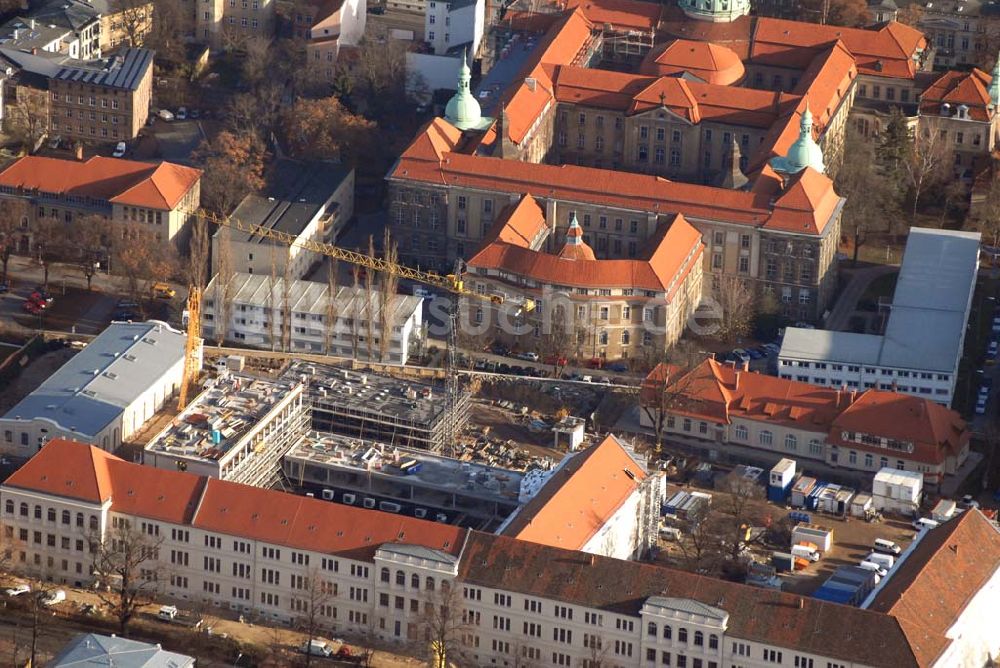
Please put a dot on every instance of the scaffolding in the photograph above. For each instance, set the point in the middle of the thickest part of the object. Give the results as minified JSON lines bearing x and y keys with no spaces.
{"x":373,"y":407}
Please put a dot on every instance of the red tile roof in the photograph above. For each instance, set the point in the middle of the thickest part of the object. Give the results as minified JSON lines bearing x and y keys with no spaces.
{"x":83,"y":472}
{"x":156,"y":186}
{"x":807,"y":625}
{"x":579,"y":498}
{"x":627,"y":190}
{"x":712,"y":63}
{"x":675,"y":250}
{"x":930,"y":589}
{"x":520,"y":224}
{"x":620,"y":15}
{"x":957,"y":88}
{"x":719,"y":392}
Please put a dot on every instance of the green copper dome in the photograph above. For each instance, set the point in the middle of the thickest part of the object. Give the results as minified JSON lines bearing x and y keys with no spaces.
{"x":805,"y":152}
{"x":463,"y":109}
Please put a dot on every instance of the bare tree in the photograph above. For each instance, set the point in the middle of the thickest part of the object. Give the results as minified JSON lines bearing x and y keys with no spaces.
{"x":13,"y":213}
{"x":224,"y":273}
{"x":92,"y":237}
{"x":382,"y":70}
{"x":597,"y":650}
{"x":142,"y":259}
{"x":48,"y":236}
{"x":199,"y":253}
{"x":370,"y":304}
{"x":318,"y":592}
{"x":387,"y":297}
{"x":286,"y":304}
{"x":662,"y":391}
{"x":331,"y":305}
{"x":925,"y":163}
{"x":443,"y":624}
{"x":135,"y":18}
{"x":735,"y":300}
{"x":125,"y":560}
{"x":28,"y":115}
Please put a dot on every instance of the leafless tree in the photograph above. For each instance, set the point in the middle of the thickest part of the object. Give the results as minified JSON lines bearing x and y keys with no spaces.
{"x":199,"y":253}
{"x":597,"y":650}
{"x":286,"y":305}
{"x":925,"y":163}
{"x":126,"y":560}
{"x":168,"y":29}
{"x":28,"y":115}
{"x":142,"y":259}
{"x":387,"y":297}
{"x":13,"y":213}
{"x":135,"y":17}
{"x":330,"y":332}
{"x":382,"y":69}
{"x":48,"y":237}
{"x":370,"y":304}
{"x":224,"y":273}
{"x":664,"y":390}
{"x":735,"y":299}
{"x":443,"y":624}
{"x":92,"y":239}
{"x":318,"y":593}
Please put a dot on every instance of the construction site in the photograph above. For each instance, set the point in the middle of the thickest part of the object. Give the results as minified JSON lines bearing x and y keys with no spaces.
{"x":380,"y":408}
{"x":237,"y":429}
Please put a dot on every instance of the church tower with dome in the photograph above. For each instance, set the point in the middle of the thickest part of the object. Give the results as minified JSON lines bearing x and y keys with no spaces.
{"x":463,"y":110}
{"x":717,"y":11}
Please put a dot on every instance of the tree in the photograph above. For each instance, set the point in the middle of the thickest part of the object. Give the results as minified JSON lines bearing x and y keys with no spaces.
{"x":986,"y":212}
{"x":224,"y":272}
{"x":286,"y":305}
{"x":895,"y":141}
{"x":735,"y":299}
{"x":318,"y":592}
{"x":125,"y":561}
{"x":443,"y":624}
{"x":911,"y":15}
{"x":664,"y":389}
{"x":324,"y":129}
{"x":13,"y":212}
{"x":381,"y":71}
{"x":142,"y":258}
{"x":233,"y":167}
{"x":387,"y":297}
{"x":92,"y":237}
{"x":48,"y":236}
{"x":873,"y":200}
{"x":135,"y":18}
{"x":168,"y":28}
{"x":924,"y":166}
{"x":330,"y":331}
{"x":28,"y":116}
{"x":199,"y":253}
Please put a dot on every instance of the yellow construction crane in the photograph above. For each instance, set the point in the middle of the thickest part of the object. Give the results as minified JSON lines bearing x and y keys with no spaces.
{"x":452,"y":283}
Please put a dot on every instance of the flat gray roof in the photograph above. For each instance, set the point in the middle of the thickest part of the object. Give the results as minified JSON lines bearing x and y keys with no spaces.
{"x":295,"y":193}
{"x":95,"y":386}
{"x":926,"y":325}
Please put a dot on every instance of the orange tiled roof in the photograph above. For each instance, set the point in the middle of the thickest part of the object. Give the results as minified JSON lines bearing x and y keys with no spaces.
{"x":932,"y":587}
{"x":720,"y":391}
{"x":620,"y":15}
{"x":669,"y":258}
{"x":934,"y":430}
{"x":156,"y":186}
{"x":709,"y":62}
{"x":77,"y":471}
{"x":955,"y":88}
{"x":582,"y":494}
{"x":887,"y":52}
{"x":627,"y":190}
{"x":521,"y":224}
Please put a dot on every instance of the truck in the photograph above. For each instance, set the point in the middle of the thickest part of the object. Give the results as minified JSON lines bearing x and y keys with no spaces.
{"x":805,"y":552}
{"x":782,"y":561}
{"x":170,"y":613}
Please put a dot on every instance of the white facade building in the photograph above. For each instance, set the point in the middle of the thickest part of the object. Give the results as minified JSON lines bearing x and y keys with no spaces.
{"x":455,"y":24}
{"x":102,"y":395}
{"x":319,"y":324}
{"x":922,"y":345}
{"x":267,"y":555}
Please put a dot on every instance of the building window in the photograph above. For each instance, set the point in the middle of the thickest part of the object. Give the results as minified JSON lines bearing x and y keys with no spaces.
{"x":791,"y":443}
{"x":740,"y":432}
{"x":765,"y":438}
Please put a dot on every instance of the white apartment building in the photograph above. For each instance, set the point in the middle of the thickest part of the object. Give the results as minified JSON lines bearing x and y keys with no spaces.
{"x":455,"y":24}
{"x":922,"y":345}
{"x":320,"y":324}
{"x":237,"y":429}
{"x":103,"y":394}
{"x":266,"y":553}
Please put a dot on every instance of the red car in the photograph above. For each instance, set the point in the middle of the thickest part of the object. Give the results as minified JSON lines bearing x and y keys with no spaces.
{"x":556,"y":360}
{"x":32,"y":307}
{"x":595,"y":363}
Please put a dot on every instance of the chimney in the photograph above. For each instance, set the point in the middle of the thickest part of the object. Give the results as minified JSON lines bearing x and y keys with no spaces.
{"x":592,"y":560}
{"x":736,"y":383}
{"x":854,"y":395}
{"x":746,"y":366}
{"x":530,"y":82}
{"x":800,"y":602}
{"x":838,"y":399}
{"x":34,"y":50}
{"x":78,"y":149}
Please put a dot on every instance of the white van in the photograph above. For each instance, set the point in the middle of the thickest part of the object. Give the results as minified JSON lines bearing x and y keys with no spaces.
{"x":886,"y":546}
{"x":874,"y":568}
{"x":805,"y":552}
{"x":316,"y":648}
{"x":922,"y":523}
{"x":670,"y":533}
{"x":167,"y":613}
{"x":886,"y":561}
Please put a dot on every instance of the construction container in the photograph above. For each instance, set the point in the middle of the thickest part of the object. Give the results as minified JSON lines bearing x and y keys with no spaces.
{"x":801,"y":490}
{"x":943,"y":510}
{"x":780,"y":479}
{"x":821,"y":537}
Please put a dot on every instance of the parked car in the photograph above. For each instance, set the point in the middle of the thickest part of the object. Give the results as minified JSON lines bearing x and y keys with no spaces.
{"x":194,"y":113}
{"x":968,"y":501}
{"x":119,"y":151}
{"x":772,"y":348}
{"x":996,"y":324}
{"x":755,"y":354}
{"x":499,"y":349}
{"x":4,"y":287}
{"x":556,"y":360}
{"x":595,"y":363}
{"x":981,"y":405}
{"x":182,"y":113}
{"x":124,"y":315}
{"x":41,"y":295}
{"x":741,"y":355}
{"x":54,"y":597}
{"x":528,"y":356}
{"x":126,"y":303}
{"x":992,"y":348}
{"x":316,"y":648}
{"x":617,"y":367}
{"x":17,"y":590}
{"x":166,"y":115}
{"x":503,"y":368}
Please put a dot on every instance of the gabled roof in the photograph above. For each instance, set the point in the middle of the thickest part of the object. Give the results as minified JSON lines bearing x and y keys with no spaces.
{"x":709,"y":62}
{"x":91,"y":650}
{"x":808,"y":625}
{"x":68,"y":469}
{"x":157,"y":186}
{"x":932,"y":586}
{"x":806,"y":205}
{"x":521,"y":224}
{"x":958,"y":88}
{"x":621,"y":15}
{"x":579,"y":498}
{"x":674,"y":250}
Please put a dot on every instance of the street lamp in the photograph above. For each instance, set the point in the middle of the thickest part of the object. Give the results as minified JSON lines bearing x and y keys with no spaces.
{"x":239,"y":655}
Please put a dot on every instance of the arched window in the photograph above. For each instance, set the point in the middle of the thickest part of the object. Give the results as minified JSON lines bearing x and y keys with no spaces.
{"x":10,"y":507}
{"x":740,"y":432}
{"x":765,"y":437}
{"x":385,"y":575}
{"x":93,"y":522}
{"x":626,"y":337}
{"x":429,"y":584}
{"x":791,"y":443}
{"x":415,"y":581}
{"x":651,"y":629}
{"x":51,"y":514}
{"x":699,"y":638}
{"x":667,"y":632}
{"x":24,"y":510}
{"x":401,"y":578}
{"x":65,"y":517}
{"x":713,"y":641}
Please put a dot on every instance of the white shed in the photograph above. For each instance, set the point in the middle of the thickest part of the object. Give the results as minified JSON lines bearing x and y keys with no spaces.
{"x":897,"y":491}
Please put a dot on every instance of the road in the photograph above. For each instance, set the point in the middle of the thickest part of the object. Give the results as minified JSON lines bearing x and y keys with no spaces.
{"x":839,"y":318}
